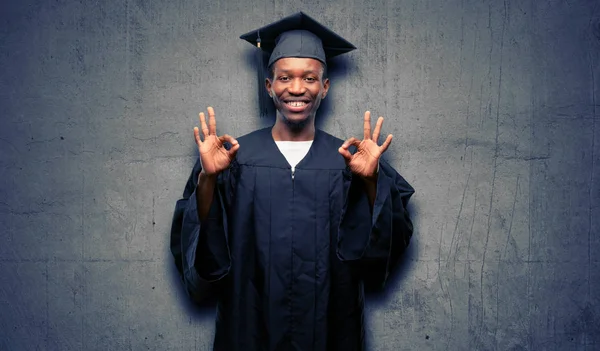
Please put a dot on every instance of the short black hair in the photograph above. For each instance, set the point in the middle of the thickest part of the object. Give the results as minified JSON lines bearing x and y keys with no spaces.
{"x":271,"y":71}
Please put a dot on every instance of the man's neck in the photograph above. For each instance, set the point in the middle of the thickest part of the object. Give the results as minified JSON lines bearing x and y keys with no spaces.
{"x":284,"y":132}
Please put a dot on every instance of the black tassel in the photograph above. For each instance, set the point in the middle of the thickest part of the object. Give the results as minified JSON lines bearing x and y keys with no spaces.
{"x":262,"y":92}
{"x":263,"y":95}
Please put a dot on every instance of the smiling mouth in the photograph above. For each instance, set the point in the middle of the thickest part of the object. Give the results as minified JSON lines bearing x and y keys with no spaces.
{"x":296,"y":103}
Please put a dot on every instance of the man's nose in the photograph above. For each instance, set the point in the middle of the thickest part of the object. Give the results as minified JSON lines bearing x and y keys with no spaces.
{"x":297,"y":87}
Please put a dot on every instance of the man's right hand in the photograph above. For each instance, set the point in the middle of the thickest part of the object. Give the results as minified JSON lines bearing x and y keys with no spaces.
{"x":214,"y":157}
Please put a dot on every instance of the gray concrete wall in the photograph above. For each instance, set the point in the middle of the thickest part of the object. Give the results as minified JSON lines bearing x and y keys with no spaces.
{"x":494,"y":108}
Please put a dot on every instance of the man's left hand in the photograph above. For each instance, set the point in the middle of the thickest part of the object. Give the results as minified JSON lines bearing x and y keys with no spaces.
{"x":364,"y":162}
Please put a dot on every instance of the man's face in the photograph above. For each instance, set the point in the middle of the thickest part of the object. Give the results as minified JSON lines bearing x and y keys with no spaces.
{"x":297,"y":87}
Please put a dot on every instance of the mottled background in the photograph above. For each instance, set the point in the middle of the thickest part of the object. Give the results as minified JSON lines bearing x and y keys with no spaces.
{"x":493,"y":105}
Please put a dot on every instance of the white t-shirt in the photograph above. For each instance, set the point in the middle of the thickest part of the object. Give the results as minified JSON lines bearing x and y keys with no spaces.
{"x":294,"y":151}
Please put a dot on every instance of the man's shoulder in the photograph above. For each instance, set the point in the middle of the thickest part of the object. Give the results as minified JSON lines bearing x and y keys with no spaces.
{"x":255,"y":147}
{"x":329,"y":139}
{"x":255,"y":137}
{"x":255,"y":134}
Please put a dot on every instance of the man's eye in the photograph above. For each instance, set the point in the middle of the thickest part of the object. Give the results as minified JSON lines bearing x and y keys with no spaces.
{"x":310,"y":79}
{"x":284,"y":78}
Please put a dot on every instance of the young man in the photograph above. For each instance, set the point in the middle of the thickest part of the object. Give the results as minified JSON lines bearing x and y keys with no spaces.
{"x":287,"y":224}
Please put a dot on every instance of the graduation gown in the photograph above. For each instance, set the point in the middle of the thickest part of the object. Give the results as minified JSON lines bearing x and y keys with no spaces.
{"x":287,"y":256}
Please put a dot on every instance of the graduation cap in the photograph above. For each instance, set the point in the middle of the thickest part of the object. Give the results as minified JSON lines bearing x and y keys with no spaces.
{"x":298,"y":35}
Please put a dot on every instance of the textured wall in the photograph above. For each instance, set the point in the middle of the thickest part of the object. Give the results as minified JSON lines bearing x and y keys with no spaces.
{"x":494,"y":110}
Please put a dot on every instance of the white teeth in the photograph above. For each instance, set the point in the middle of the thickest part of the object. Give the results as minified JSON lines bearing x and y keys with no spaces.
{"x":296,"y":103}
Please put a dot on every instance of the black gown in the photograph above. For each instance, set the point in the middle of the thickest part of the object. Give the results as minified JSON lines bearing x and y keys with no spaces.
{"x":288,"y":256}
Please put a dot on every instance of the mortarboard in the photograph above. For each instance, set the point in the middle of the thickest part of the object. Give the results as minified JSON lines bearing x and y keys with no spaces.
{"x":298,"y":35}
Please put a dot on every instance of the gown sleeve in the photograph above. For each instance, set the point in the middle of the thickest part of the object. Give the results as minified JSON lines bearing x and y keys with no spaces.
{"x":200,"y":248}
{"x":375,"y":244}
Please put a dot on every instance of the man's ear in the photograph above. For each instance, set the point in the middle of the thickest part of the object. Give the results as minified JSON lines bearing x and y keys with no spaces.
{"x":268,"y":86}
{"x":325,"y":88}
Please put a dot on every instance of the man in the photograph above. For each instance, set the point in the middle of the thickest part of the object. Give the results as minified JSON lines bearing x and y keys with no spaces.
{"x":285,"y":225}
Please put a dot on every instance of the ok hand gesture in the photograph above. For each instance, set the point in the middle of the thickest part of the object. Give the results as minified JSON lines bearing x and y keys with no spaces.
{"x":214,"y":157}
{"x":364,"y":162}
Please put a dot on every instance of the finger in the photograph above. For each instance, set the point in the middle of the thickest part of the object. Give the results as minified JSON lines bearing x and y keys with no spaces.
{"x":203,"y":125}
{"x":349,"y":142}
{"x":234,"y":145}
{"x":228,"y":138}
{"x":386,"y":143}
{"x":197,"y":136}
{"x":345,"y":153}
{"x":377,"y":129}
{"x":233,"y":151}
{"x":212,"y":123}
{"x":367,"y":126}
